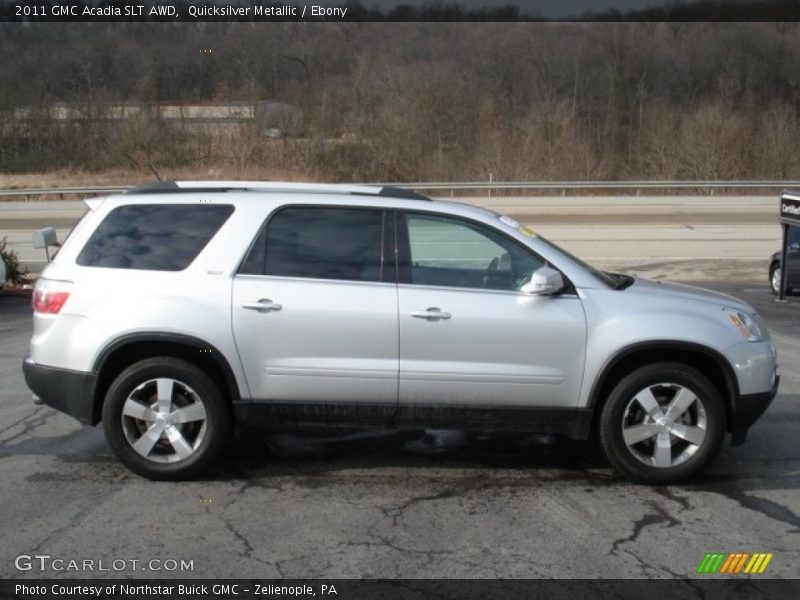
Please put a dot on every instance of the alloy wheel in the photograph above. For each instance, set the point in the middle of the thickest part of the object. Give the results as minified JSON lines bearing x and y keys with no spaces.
{"x":164,"y":420}
{"x":776,"y":280}
{"x":664,"y":425}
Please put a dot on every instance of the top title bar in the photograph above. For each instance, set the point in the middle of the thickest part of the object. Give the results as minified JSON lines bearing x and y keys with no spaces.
{"x":396,"y":10}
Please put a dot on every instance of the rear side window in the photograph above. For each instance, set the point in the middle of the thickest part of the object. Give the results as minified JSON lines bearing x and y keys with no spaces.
{"x":156,"y":237}
{"x":319,"y":243}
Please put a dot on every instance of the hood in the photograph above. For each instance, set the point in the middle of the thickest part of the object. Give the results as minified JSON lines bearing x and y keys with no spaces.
{"x":689,"y":292}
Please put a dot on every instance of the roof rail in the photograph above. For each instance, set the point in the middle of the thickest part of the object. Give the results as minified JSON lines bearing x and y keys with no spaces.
{"x":154,"y":187}
{"x":280,"y":186}
{"x":396,"y":192}
{"x":165,"y":187}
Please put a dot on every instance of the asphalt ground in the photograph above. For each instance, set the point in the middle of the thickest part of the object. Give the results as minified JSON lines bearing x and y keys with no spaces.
{"x":392,"y":503}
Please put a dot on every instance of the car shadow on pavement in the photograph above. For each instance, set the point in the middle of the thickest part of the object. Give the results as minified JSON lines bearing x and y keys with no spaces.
{"x":255,"y":452}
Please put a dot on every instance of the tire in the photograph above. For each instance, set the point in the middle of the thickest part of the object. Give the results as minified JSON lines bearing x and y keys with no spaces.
{"x":664,"y":457}
{"x":775,"y":273}
{"x":165,"y":419}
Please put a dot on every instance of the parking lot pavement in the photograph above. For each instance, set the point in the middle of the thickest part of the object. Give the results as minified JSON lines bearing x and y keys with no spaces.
{"x":392,"y":504}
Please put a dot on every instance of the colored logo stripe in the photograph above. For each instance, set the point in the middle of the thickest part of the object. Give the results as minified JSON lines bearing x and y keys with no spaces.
{"x":734,"y":562}
{"x":711,"y":563}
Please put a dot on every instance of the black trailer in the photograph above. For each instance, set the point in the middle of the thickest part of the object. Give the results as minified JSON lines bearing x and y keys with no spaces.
{"x":790,"y":249}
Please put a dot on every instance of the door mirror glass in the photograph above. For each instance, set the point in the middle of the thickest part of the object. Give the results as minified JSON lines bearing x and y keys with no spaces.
{"x":543,"y":282}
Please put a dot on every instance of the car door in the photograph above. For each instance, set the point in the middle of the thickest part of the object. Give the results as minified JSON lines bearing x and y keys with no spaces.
{"x":468,"y":336}
{"x":793,"y":258}
{"x":315,"y":308}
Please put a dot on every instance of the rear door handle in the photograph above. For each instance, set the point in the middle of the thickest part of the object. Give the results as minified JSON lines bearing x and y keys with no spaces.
{"x":263,"y":305}
{"x":431,"y":314}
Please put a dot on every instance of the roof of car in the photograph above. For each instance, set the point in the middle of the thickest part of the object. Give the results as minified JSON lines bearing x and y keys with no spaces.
{"x":175,"y":187}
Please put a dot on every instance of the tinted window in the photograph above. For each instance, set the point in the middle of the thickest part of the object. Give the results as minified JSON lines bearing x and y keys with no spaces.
{"x":320,"y":243}
{"x":794,"y":234}
{"x":454,"y":253}
{"x":255,"y":260}
{"x":158,"y":237}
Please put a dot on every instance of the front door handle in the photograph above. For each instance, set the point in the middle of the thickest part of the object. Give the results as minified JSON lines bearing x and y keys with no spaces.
{"x":431,"y":314}
{"x":263,"y":305}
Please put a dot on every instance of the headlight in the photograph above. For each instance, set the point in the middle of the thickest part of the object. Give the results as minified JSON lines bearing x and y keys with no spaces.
{"x":745,"y":325}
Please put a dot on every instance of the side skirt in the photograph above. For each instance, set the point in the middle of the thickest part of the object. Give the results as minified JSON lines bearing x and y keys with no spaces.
{"x":574,"y":423}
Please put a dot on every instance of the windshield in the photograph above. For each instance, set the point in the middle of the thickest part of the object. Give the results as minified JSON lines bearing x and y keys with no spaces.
{"x":613,"y":280}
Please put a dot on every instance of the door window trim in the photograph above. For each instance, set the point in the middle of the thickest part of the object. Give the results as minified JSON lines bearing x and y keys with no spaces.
{"x":313,"y":279}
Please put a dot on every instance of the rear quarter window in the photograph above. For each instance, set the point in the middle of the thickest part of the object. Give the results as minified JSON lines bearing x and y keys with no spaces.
{"x":156,"y":237}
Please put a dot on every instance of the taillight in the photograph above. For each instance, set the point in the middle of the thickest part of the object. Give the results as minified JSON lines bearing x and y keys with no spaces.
{"x":49,"y":296}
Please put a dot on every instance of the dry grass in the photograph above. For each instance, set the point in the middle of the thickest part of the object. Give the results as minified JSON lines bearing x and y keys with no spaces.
{"x":72,"y":178}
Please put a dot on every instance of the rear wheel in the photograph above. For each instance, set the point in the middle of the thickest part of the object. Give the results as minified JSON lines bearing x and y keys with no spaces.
{"x":164,"y":418}
{"x":663,"y":423}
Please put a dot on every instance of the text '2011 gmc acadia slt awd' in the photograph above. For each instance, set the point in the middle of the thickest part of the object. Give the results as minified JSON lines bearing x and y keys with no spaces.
{"x":176,"y":310}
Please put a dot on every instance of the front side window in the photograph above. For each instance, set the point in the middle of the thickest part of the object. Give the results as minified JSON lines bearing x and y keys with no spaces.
{"x":156,"y":237}
{"x":319,"y":243}
{"x":449,"y":252}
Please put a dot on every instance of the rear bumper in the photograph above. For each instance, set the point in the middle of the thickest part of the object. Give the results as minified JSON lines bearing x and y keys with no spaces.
{"x":747,"y":408}
{"x":71,"y":392}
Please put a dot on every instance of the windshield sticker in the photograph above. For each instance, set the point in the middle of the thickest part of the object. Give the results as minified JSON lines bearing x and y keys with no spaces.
{"x":510,"y":222}
{"x":523,"y":229}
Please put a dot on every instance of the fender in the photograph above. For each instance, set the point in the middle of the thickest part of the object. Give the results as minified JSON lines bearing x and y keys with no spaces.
{"x":663,"y":345}
{"x":186,"y":340}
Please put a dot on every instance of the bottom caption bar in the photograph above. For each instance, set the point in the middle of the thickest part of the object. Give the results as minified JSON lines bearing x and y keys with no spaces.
{"x":390,"y":589}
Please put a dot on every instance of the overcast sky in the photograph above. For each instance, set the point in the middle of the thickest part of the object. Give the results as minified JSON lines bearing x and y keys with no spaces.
{"x":550,"y":9}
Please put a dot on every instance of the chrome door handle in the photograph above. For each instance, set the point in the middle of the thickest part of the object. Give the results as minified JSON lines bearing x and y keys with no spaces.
{"x":431,"y":314}
{"x":265,"y":305}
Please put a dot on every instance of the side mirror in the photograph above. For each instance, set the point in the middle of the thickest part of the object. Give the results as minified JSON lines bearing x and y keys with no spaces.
{"x":543,"y":282}
{"x":44,"y":238}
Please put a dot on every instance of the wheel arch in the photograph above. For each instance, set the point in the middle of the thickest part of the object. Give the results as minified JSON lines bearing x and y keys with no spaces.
{"x":127,"y":349}
{"x":708,"y":361}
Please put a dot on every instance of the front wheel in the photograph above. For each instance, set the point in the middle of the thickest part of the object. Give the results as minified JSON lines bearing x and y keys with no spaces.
{"x":662,"y":424}
{"x":775,"y":279}
{"x":166,"y":419}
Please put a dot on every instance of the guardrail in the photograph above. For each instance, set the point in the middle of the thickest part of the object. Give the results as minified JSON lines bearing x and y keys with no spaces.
{"x":65,"y":191}
{"x":452,"y":187}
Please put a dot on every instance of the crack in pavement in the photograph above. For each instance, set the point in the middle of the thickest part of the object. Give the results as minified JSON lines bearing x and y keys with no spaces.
{"x":669,"y":494}
{"x":661,"y":515}
{"x":769,"y":508}
{"x":396,"y":511}
{"x":75,"y":522}
{"x":29,"y":422}
{"x":249,"y":550}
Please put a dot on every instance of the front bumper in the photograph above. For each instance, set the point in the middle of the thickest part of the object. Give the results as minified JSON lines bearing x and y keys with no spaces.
{"x":747,"y":408}
{"x":71,"y":392}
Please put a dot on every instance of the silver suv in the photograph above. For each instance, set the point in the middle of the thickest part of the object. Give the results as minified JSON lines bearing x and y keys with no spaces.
{"x":177,"y":310}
